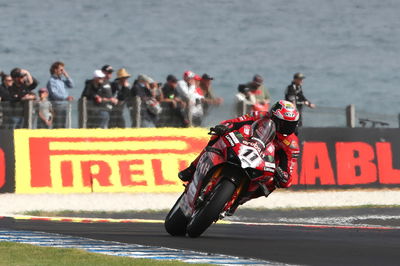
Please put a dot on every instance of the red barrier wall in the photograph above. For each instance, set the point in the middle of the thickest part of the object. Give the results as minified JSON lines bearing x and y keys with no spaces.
{"x":349,"y":157}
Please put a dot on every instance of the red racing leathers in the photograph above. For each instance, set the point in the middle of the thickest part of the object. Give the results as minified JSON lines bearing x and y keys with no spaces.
{"x":286,"y":149}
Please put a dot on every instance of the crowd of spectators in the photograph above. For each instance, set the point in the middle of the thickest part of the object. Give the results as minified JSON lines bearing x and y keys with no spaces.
{"x":149,"y":103}
{"x":107,"y":97}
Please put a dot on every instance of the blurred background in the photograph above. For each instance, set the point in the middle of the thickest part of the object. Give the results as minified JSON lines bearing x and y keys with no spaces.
{"x":348,"y":50}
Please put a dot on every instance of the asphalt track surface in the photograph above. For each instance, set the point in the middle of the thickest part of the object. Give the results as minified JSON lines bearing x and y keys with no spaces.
{"x":312,"y":243}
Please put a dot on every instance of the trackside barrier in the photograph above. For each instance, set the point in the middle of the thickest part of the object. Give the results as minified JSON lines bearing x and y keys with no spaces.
{"x":349,"y":157}
{"x":7,"y":162}
{"x":147,"y":160}
{"x":93,"y":160}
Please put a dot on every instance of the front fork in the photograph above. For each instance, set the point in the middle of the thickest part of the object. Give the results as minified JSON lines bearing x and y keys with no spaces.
{"x":215,"y":179}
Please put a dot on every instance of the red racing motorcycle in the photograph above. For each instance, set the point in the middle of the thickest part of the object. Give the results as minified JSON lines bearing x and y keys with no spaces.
{"x":236,"y":165}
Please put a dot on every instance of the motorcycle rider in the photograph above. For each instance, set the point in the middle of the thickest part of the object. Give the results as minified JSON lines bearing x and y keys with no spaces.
{"x":285,"y":117}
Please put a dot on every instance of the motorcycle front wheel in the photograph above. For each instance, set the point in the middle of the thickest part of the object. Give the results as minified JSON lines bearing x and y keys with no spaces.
{"x":209,"y":212}
{"x":176,"y":222}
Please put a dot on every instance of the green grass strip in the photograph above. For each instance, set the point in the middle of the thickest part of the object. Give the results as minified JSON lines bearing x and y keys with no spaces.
{"x":24,"y":254}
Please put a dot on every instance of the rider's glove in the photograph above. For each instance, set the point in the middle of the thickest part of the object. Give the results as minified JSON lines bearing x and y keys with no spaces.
{"x":280,"y":177}
{"x":219,"y":129}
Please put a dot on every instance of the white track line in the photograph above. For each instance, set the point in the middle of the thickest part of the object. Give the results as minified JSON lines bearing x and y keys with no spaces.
{"x":125,"y":250}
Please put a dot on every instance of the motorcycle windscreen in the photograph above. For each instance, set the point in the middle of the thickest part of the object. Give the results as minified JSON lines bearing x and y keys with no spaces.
{"x":263,"y":130}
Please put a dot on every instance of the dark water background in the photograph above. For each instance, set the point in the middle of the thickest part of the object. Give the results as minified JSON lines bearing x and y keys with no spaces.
{"x":349,"y":50}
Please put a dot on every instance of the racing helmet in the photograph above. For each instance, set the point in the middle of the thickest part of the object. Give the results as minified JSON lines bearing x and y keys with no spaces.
{"x":285,"y":116}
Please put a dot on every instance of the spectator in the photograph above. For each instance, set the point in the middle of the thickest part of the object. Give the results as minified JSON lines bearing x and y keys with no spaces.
{"x":150,"y":107}
{"x":178,"y":110}
{"x":186,"y":87}
{"x":197,"y":80}
{"x":102,"y":100}
{"x":205,"y":89}
{"x":20,"y":91}
{"x":294,"y":94}
{"x":187,"y":92}
{"x":108,"y":71}
{"x":46,"y":113}
{"x":57,"y":87}
{"x":120,"y":90}
{"x":169,"y":93}
{"x":6,"y":83}
{"x":260,"y":92}
{"x":245,"y":101}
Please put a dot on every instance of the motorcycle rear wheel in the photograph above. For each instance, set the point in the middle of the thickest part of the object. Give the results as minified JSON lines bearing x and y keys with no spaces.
{"x":210,"y":211}
{"x":176,"y":222}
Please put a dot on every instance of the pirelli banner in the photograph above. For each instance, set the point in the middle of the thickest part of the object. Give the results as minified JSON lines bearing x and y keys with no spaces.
{"x":90,"y":160}
{"x":148,"y":160}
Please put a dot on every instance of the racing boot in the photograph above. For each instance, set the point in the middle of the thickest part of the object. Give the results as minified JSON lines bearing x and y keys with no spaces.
{"x":186,"y":175}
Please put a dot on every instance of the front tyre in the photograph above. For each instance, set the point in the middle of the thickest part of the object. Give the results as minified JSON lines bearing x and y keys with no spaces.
{"x":210,"y":211}
{"x":176,"y":222}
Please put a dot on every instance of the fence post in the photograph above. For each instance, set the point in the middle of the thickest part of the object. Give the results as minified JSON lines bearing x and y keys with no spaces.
{"x":351,"y":116}
{"x":399,"y":119}
{"x":82,"y":112}
{"x":189,"y":115}
{"x":135,"y":112}
{"x":28,"y":114}
{"x":69,"y":115}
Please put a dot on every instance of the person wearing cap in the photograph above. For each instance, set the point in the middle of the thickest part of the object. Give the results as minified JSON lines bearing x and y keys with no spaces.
{"x":101,"y":99}
{"x":20,"y":91}
{"x":294,"y":93}
{"x":45,"y":110}
{"x":186,"y":87}
{"x":187,"y":92}
{"x":259,"y":90}
{"x":120,"y":90}
{"x":149,"y":107}
{"x":23,"y":85}
{"x":205,"y":89}
{"x":107,"y":71}
{"x":57,"y":87}
{"x":178,"y":107}
{"x":197,"y":80}
{"x":169,"y":93}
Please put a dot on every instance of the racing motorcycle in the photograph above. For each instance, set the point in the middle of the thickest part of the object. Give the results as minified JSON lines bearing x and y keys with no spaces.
{"x":236,"y":165}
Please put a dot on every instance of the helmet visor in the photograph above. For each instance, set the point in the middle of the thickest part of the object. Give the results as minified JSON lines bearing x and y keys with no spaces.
{"x":286,"y":127}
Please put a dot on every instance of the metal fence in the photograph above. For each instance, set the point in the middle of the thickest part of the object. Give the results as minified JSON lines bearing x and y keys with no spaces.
{"x":86,"y":114}
{"x":349,"y":116}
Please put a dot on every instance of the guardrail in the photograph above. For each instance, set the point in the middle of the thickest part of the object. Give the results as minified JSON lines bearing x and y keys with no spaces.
{"x":86,"y":114}
{"x":324,"y":116}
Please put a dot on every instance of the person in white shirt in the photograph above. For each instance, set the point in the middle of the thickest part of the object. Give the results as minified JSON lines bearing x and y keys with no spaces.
{"x":186,"y":90}
{"x":186,"y":87}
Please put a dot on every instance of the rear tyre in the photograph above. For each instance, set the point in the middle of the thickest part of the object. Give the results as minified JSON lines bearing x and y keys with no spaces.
{"x":176,"y":222}
{"x":209,"y":213}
